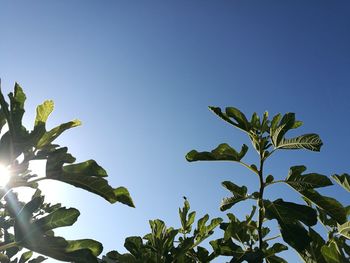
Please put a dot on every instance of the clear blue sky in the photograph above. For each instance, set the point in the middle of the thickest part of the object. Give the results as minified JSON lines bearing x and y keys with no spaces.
{"x":140,"y":75}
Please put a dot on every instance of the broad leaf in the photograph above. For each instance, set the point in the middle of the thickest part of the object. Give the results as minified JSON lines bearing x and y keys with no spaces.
{"x":58,"y":218}
{"x":87,"y":175}
{"x":330,"y":205}
{"x":310,"y":142}
{"x":239,"y":194}
{"x":295,"y":235}
{"x":287,"y":212}
{"x":233,"y":116}
{"x":331,"y":253}
{"x":302,"y":182}
{"x":343,"y":180}
{"x":278,"y":130}
{"x":61,"y":249}
{"x":221,"y":153}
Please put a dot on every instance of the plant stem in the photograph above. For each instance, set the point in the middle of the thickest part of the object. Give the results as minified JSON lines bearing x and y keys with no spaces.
{"x":260,"y":202}
{"x":7,"y":246}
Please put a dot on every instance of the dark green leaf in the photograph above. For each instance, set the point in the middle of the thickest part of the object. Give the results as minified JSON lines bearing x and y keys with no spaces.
{"x":37,"y":259}
{"x":330,"y":205}
{"x":222,"y":153}
{"x":302,"y":182}
{"x":287,"y":212}
{"x":295,"y":235}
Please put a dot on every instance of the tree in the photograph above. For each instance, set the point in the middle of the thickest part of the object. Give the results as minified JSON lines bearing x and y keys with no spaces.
{"x":248,"y":240}
{"x":30,"y":224}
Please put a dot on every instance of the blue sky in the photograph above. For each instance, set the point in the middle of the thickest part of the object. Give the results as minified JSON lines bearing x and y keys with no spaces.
{"x":141,"y":74}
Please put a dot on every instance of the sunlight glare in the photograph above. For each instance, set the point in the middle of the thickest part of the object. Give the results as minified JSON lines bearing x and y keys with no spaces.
{"x":4,"y":175}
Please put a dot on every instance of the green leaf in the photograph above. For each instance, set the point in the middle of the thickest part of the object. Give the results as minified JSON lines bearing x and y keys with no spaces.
{"x":228,"y":202}
{"x":25,"y":256}
{"x":94,"y":246}
{"x":330,"y":205}
{"x":87,"y":175}
{"x":331,"y":253}
{"x":277,"y":131}
{"x":239,"y":117}
{"x":61,"y":249}
{"x":17,"y":100}
{"x":275,"y":259}
{"x":310,"y":142}
{"x":270,"y":252}
{"x":302,"y":182}
{"x":89,"y":167}
{"x":287,"y":212}
{"x":58,"y":218}
{"x":222,"y":153}
{"x":343,"y":180}
{"x":43,"y":111}
{"x":51,"y":135}
{"x":233,"y":116}
{"x":295,"y":235}
{"x":37,"y":259}
{"x":122,"y":195}
{"x":344,"y":230}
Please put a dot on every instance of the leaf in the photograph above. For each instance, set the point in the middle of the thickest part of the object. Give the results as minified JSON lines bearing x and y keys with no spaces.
{"x":87,"y":175}
{"x":87,"y":167}
{"x":310,"y":142}
{"x":302,"y":182}
{"x":58,"y":218}
{"x":270,"y":253}
{"x":221,"y":153}
{"x":277,"y":131}
{"x":94,"y":246}
{"x":37,"y":259}
{"x":122,"y":195}
{"x":343,"y":180}
{"x":25,"y":256}
{"x":330,"y":205}
{"x":239,"y":194}
{"x":295,"y":235}
{"x":331,"y":253}
{"x":17,"y":100}
{"x":287,"y":212}
{"x":344,"y":230}
{"x":43,"y":111}
{"x":51,"y":135}
{"x":61,"y":249}
{"x":275,"y":259}
{"x":25,"y":229}
{"x":239,"y":119}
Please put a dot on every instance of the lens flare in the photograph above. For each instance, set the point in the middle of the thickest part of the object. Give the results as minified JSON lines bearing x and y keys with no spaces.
{"x":4,"y":175}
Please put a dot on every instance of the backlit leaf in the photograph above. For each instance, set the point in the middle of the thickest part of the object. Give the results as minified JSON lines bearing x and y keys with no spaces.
{"x":221,"y":153}
{"x":343,"y":180}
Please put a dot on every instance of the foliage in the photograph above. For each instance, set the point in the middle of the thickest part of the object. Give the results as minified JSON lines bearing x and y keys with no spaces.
{"x":30,"y":225}
{"x":165,"y":245}
{"x":248,"y":240}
